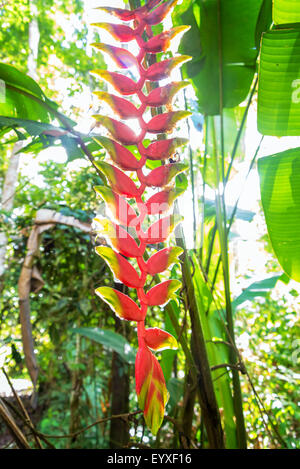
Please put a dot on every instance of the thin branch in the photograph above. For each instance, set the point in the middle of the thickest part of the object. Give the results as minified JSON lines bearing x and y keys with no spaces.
{"x":28,"y":424}
{"x":126,"y":417}
{"x":239,"y":367}
{"x":17,"y":434}
{"x":23,"y":409}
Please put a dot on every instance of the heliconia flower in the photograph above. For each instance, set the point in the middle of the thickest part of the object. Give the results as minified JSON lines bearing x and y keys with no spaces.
{"x":119,"y":207}
{"x":157,"y":339}
{"x":162,"y":41}
{"x":122,"y":305}
{"x":131,"y":239}
{"x":119,"y":238}
{"x":163,"y":175}
{"x":162,"y":201}
{"x":163,"y":149}
{"x":159,"y":14}
{"x":162,"y":293}
{"x":121,"y":83}
{"x":120,"y":267}
{"x":162,"y":123}
{"x":124,"y":108}
{"x":150,"y":388}
{"x":120,"y":155}
{"x":119,"y":182}
{"x":164,"y":95}
{"x":118,"y":130}
{"x":160,"y":230}
{"x":161,"y":260}
{"x":120,"y":32}
{"x":161,"y":70}
{"x":122,"y":57}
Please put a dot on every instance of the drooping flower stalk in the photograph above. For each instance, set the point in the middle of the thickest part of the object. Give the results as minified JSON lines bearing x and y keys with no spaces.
{"x":126,"y":234}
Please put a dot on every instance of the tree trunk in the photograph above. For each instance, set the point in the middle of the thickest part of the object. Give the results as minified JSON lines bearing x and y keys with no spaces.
{"x":77,"y":387}
{"x":7,"y":199}
{"x":187,"y":413}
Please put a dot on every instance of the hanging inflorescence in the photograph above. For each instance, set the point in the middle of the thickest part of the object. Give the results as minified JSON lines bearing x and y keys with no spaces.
{"x":126,"y":233}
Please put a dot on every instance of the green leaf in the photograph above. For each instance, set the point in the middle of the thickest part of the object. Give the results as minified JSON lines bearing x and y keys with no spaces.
{"x":47,"y":135}
{"x":286,"y":11}
{"x":175,"y":387}
{"x":168,"y":356}
{"x":109,"y":339}
{"x":279,"y":83}
{"x":256,"y":289}
{"x":280,"y":194}
{"x":33,"y":128}
{"x":21,"y":97}
{"x":229,"y":131}
{"x":221,"y":39}
{"x":72,"y":148}
{"x":264,"y":21}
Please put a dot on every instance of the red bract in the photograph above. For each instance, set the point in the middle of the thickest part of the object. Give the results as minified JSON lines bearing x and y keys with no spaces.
{"x":118,"y":237}
{"x":120,"y":155}
{"x":161,"y":260}
{"x":121,"y":268}
{"x":124,"y":108}
{"x":156,"y":339}
{"x":165,"y":122}
{"x":161,"y":201}
{"x":122,"y":305}
{"x":163,"y":175}
{"x":162,"y":42}
{"x":123,"y":15}
{"x":118,"y":130}
{"x":164,"y":95}
{"x":162,"y":293}
{"x":161,"y":70}
{"x":131,"y":239}
{"x":121,"y":57}
{"x":150,"y":388}
{"x":122,"y":84}
{"x":119,"y":207}
{"x":118,"y":181}
{"x":163,"y":149}
{"x":160,"y":230}
{"x":119,"y":32}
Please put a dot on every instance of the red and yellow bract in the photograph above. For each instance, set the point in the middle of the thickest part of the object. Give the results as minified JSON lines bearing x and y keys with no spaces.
{"x":150,"y":383}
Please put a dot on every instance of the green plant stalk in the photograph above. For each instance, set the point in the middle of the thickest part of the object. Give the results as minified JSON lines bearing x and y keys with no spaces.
{"x":216,"y":354}
{"x":192,"y":177}
{"x":234,"y":213}
{"x":206,"y":392}
{"x":222,"y":231}
{"x":203,"y":192}
{"x":233,"y":154}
